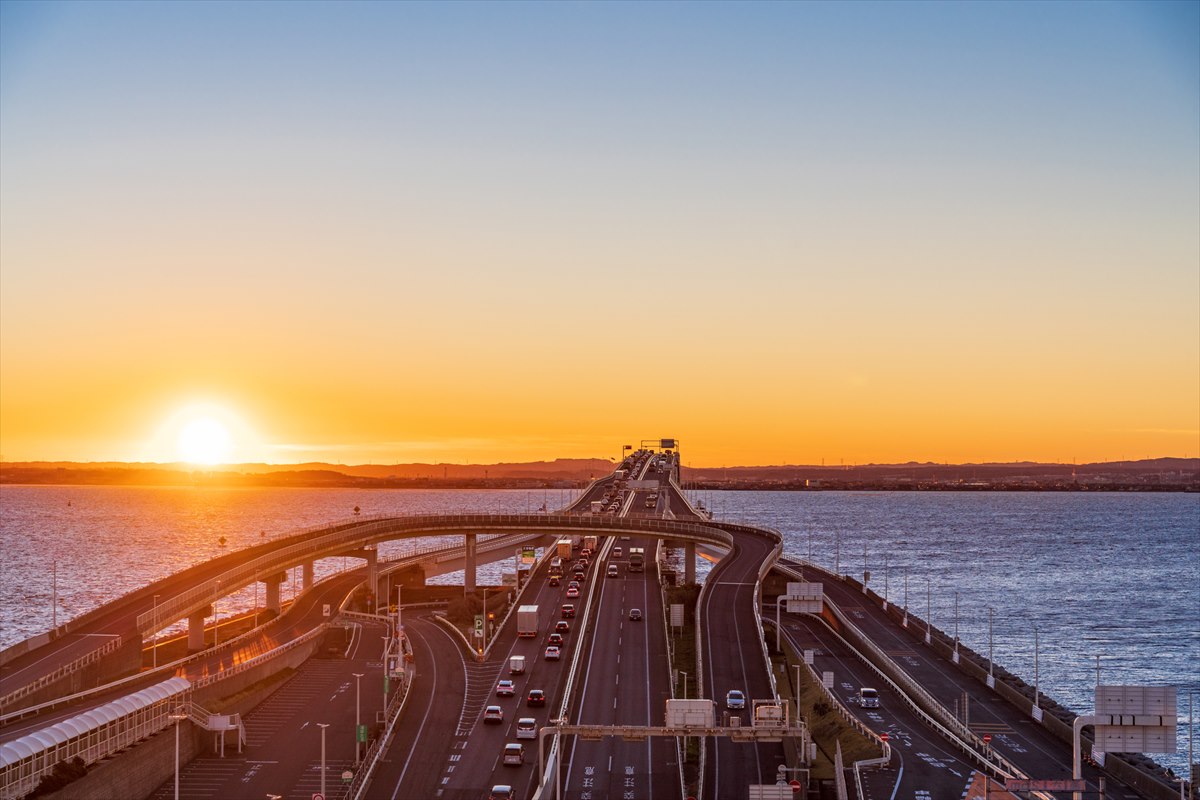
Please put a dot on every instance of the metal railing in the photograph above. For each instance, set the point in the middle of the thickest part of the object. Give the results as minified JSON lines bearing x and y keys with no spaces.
{"x":916,"y":697}
{"x":362,"y":777}
{"x":568,"y":687}
{"x":112,"y":645}
{"x":374,"y":529}
{"x":24,"y":765}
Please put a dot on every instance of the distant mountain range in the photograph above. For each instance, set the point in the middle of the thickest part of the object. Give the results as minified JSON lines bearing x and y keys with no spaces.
{"x":928,"y":470}
{"x":1158,"y":472}
{"x":563,"y":470}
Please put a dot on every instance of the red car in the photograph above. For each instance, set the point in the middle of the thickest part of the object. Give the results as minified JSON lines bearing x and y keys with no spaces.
{"x":568,"y":610}
{"x":562,"y":626}
{"x":555,"y":639}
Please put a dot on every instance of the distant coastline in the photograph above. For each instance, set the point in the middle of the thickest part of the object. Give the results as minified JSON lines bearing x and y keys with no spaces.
{"x":1150,"y":475}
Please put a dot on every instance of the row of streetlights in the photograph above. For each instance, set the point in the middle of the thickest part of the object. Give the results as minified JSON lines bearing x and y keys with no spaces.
{"x":991,"y":638}
{"x":179,"y":716}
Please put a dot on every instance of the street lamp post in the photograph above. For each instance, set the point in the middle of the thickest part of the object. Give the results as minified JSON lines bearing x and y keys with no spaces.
{"x":928,"y":610}
{"x":357,"y":712}
{"x":178,"y":716}
{"x":323,"y":726}
{"x":955,"y":627}
{"x":991,"y":681}
{"x":387,"y":647}
{"x":885,"y":581}
{"x":154,"y":633}
{"x":54,"y":595}
{"x":1036,"y":692}
{"x":866,"y":575}
{"x":216,"y":617}
{"x":905,"y":623}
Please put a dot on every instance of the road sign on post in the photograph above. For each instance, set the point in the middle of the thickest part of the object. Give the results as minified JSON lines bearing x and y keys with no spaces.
{"x":479,"y":625}
{"x":362,"y":734}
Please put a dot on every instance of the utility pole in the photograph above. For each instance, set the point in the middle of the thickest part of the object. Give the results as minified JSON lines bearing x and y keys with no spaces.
{"x":357,"y":713}
{"x":323,"y":726}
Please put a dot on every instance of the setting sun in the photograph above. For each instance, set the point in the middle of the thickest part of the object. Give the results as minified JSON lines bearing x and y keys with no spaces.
{"x":204,"y":441}
{"x":203,"y":432}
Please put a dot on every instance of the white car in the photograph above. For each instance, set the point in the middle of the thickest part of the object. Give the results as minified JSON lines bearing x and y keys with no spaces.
{"x":526,"y":728}
{"x":735,"y":700}
{"x":514,"y":755}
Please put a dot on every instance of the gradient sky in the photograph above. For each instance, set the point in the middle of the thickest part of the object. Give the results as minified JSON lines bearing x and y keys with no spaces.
{"x":477,"y":232}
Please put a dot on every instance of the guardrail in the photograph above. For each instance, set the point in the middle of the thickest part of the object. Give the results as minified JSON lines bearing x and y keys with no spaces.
{"x":371,"y":530}
{"x":917,"y":698}
{"x":679,"y":752}
{"x":362,"y":777}
{"x":516,"y":603}
{"x":176,"y":665}
{"x":569,"y":686}
{"x":90,"y":657}
{"x":762,"y":636}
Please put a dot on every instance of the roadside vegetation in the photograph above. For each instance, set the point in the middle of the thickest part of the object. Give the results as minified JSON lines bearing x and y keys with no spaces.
{"x":826,"y":725}
{"x":682,"y":653}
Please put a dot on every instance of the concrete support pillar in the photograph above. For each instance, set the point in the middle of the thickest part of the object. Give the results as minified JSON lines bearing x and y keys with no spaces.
{"x":272,"y":583}
{"x":309,"y":577}
{"x":469,"y":566}
{"x":371,"y":555}
{"x":196,"y":628}
{"x":689,"y":563}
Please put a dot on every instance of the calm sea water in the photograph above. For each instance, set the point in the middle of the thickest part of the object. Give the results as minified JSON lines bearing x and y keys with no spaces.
{"x":1113,"y":575}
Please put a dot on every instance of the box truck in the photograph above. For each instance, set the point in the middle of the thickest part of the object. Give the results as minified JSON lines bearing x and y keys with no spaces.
{"x":527,"y":621}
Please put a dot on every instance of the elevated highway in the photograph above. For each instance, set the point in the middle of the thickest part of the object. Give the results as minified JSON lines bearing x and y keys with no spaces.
{"x":613,"y":669}
{"x":192,"y":592}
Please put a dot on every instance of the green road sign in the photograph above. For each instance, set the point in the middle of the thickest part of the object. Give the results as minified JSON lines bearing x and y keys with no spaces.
{"x":362,"y":733}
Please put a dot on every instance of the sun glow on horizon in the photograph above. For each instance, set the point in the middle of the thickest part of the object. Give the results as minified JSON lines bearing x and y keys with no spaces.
{"x":204,"y":434}
{"x":204,"y":441}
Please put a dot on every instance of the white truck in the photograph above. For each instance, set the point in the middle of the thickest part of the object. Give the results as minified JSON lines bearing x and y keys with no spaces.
{"x":597,"y":507}
{"x":698,"y":713}
{"x":527,"y":621}
{"x":516,"y":665}
{"x":589,"y":542}
{"x":564,"y":549}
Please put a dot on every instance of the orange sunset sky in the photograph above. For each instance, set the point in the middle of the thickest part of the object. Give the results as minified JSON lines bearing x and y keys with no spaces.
{"x":781,"y":233}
